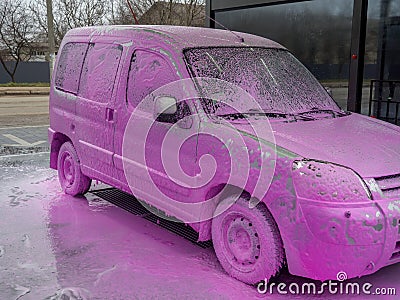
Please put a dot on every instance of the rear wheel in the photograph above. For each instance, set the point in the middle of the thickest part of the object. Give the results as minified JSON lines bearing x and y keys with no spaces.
{"x":72,"y":181}
{"x":247,"y":241}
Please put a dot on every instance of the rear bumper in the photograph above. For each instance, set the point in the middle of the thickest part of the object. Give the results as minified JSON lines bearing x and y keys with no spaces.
{"x":357,"y":239}
{"x":53,"y":153}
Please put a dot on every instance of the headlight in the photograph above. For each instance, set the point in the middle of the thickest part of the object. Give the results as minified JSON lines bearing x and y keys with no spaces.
{"x":323,"y":181}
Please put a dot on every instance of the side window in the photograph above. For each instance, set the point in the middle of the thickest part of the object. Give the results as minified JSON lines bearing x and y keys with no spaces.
{"x":99,"y":71}
{"x":148,"y":71}
{"x":69,"y":67}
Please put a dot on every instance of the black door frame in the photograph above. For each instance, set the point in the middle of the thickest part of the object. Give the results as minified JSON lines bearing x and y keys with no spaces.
{"x":358,"y":38}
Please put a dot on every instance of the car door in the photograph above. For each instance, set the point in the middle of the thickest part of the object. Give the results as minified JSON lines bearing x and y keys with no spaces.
{"x":140,"y":132}
{"x":95,"y":112}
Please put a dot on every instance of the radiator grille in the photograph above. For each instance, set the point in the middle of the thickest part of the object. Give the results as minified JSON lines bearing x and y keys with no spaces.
{"x":390,"y":185}
{"x":396,"y":253}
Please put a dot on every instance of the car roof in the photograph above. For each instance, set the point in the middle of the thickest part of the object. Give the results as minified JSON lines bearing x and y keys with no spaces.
{"x":181,"y":36}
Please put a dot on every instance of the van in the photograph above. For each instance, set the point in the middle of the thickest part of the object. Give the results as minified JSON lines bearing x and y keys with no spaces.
{"x":322,"y":189}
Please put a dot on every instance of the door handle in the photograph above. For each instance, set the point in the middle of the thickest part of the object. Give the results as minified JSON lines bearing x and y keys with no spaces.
{"x":109,"y":115}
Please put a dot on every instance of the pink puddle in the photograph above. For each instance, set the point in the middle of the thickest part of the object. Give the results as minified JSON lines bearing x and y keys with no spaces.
{"x":55,"y":244}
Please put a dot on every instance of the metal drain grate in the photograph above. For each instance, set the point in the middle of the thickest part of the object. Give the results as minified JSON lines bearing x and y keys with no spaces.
{"x":122,"y":200}
{"x":132,"y":205}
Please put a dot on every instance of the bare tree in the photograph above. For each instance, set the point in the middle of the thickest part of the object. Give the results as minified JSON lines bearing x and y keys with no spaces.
{"x":70,"y":14}
{"x":16,"y":34}
{"x":79,"y":13}
{"x":120,"y":13}
{"x":195,"y":10}
{"x":185,"y":12}
{"x":169,"y":12}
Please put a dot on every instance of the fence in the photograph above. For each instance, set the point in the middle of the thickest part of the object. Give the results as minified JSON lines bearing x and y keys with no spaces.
{"x":384,"y":100}
{"x":27,"y":72}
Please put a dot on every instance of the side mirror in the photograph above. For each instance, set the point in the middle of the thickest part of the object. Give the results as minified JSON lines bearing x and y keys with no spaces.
{"x":165,"y":106}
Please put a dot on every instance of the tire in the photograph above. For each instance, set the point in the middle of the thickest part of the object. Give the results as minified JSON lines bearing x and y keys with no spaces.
{"x":247,"y":241}
{"x":72,"y":181}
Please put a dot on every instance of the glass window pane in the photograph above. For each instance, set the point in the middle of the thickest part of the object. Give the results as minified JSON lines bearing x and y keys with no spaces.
{"x":99,"y":72}
{"x":148,"y":71}
{"x":382,"y":61}
{"x":69,"y":67}
{"x":277,"y":80}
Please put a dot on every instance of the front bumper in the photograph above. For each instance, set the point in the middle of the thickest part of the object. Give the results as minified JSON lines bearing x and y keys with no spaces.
{"x":329,"y":238}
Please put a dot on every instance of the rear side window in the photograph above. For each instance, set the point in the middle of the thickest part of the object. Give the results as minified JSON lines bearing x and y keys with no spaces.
{"x":148,"y":71}
{"x":69,"y":67}
{"x":99,"y":71}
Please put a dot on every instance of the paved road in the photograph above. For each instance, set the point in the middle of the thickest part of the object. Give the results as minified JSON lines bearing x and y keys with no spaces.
{"x":23,"y":124}
{"x":27,"y":136}
{"x":24,"y":111}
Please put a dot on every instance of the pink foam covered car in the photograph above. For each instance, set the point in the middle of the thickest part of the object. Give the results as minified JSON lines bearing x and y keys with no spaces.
{"x":322,"y":189}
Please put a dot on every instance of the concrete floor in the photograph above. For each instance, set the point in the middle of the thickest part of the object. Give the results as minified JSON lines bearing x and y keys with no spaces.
{"x":53,"y":246}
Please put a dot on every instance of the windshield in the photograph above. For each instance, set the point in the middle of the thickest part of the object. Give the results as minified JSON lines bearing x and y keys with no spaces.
{"x":274,"y":77}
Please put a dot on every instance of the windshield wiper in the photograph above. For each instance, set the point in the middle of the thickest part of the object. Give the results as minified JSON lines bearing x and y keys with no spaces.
{"x":234,"y":116}
{"x":289,"y":118}
{"x":272,"y":114}
{"x":254,"y":113}
{"x":333,"y":113}
{"x":279,"y":115}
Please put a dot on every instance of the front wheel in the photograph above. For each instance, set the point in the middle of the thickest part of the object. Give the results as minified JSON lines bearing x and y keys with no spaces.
{"x":72,"y":181}
{"x":247,"y":241}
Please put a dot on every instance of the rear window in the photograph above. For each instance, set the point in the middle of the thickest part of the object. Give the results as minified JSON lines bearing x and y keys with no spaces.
{"x":69,"y":67}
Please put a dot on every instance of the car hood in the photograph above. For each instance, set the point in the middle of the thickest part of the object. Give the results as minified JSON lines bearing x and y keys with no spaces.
{"x":368,"y":146}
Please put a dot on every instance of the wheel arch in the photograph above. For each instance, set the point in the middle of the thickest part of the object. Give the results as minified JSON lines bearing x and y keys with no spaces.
{"x":215,"y":192}
{"x":205,"y":226}
{"x":56,"y":143}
